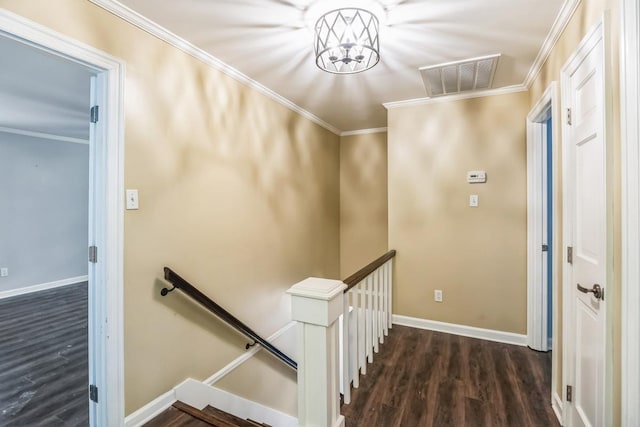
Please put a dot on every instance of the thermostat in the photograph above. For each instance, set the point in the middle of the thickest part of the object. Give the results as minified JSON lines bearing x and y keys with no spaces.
{"x":475,"y":177}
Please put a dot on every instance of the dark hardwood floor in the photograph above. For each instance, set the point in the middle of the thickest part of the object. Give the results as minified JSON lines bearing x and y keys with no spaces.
{"x":425,"y":378}
{"x":43,"y":358}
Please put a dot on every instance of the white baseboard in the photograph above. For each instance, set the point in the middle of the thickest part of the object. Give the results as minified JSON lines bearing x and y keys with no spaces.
{"x":199,"y":395}
{"x":42,"y":287}
{"x":556,"y":405}
{"x":151,"y":409}
{"x":465,"y":331}
{"x":249,"y":354}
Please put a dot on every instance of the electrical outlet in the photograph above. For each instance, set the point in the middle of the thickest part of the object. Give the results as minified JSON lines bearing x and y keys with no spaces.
{"x":4,"y":272}
{"x":437,"y":295}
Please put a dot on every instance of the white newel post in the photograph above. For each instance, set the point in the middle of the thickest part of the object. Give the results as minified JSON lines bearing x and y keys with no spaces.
{"x":316,"y":306}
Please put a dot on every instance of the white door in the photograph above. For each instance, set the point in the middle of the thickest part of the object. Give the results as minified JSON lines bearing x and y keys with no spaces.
{"x":105,"y":211}
{"x":95,"y":315}
{"x":586,"y":220}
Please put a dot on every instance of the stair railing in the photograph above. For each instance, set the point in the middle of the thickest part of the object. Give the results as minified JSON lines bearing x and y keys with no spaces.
{"x":191,"y":291}
{"x":340,"y":325}
{"x":366,"y":319}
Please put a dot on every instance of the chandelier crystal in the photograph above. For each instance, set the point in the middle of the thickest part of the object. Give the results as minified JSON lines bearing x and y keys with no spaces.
{"x":346,"y":41}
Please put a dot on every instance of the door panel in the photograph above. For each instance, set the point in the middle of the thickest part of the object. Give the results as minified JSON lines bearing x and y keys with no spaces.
{"x":587,"y":219}
{"x":586,"y":401}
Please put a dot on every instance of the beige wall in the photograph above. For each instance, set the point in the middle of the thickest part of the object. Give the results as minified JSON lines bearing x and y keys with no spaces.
{"x":240,"y":195}
{"x":237,"y":193}
{"x":363,"y":200}
{"x":588,"y":14}
{"x":476,"y":256}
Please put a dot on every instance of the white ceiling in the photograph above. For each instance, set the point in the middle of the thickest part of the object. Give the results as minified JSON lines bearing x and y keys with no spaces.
{"x":42,"y":93}
{"x":269,"y":41}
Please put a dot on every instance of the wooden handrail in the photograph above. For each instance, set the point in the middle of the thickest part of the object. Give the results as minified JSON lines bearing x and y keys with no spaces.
{"x":359,"y":275}
{"x":186,"y":287}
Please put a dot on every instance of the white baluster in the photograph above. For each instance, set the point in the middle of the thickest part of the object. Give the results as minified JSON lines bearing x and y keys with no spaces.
{"x":353,"y":349}
{"x":385,"y":298}
{"x":346,"y":383}
{"x":362,"y":329}
{"x":369,"y":287}
{"x":376,"y":313}
{"x":380,"y":274}
{"x":390,"y":296}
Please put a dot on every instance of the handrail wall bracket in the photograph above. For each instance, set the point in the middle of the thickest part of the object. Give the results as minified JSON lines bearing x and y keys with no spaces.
{"x":165,"y":291}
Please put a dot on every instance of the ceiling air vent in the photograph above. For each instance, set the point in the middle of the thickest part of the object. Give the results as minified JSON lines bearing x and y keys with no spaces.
{"x":460,"y":76}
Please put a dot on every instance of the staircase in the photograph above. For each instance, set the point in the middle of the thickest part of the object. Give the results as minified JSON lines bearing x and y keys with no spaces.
{"x":183,"y":415}
{"x":340,"y":326}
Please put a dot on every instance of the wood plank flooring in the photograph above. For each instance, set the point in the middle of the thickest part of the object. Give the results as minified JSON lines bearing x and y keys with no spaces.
{"x":424,"y":378}
{"x":43,"y":358}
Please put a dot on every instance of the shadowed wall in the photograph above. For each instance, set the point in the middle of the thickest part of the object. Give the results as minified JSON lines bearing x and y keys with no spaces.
{"x":363,"y":200}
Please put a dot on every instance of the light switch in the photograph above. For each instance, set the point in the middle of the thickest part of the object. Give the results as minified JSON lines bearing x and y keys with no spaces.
{"x":473,"y":200}
{"x":132,"y":199}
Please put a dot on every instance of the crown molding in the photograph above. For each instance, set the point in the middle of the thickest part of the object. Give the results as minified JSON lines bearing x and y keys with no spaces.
{"x":562,"y":20}
{"x":43,"y":135}
{"x":456,"y":97}
{"x":145,"y":24}
{"x":363,"y":131}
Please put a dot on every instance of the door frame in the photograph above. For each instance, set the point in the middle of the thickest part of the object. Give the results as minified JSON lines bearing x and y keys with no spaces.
{"x":630,"y":134}
{"x":598,"y":34}
{"x":107,"y":224}
{"x":537,"y":298}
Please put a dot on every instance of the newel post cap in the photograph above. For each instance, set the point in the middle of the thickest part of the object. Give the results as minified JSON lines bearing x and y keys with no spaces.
{"x":316,"y":288}
{"x":317,"y":301}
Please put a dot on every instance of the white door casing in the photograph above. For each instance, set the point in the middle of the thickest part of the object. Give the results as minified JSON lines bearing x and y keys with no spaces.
{"x":587,"y":228}
{"x":546,"y":107}
{"x":537,"y":297}
{"x":94,"y":349}
{"x":105,"y":210}
{"x":630,"y":137}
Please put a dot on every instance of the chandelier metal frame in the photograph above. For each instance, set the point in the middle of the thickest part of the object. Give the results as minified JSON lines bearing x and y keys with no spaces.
{"x":347,"y":41}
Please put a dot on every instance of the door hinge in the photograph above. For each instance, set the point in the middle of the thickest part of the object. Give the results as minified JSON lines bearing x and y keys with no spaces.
{"x":569,"y":116}
{"x":569,"y":393}
{"x":93,"y":254}
{"x":545,"y":248}
{"x":570,"y":254}
{"x":95,"y":111}
{"x":93,"y":392}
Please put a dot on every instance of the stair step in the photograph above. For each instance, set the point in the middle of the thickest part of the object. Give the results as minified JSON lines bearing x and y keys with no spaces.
{"x":228,"y":418}
{"x":205,"y":416}
{"x":182,"y":415}
{"x":174,"y":417}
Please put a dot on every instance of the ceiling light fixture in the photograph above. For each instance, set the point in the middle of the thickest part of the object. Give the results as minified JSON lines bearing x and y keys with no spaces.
{"x":347,"y":41}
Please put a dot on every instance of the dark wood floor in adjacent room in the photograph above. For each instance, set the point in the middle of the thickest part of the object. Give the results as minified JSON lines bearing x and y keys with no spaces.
{"x":425,"y":378}
{"x":43,"y":363}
